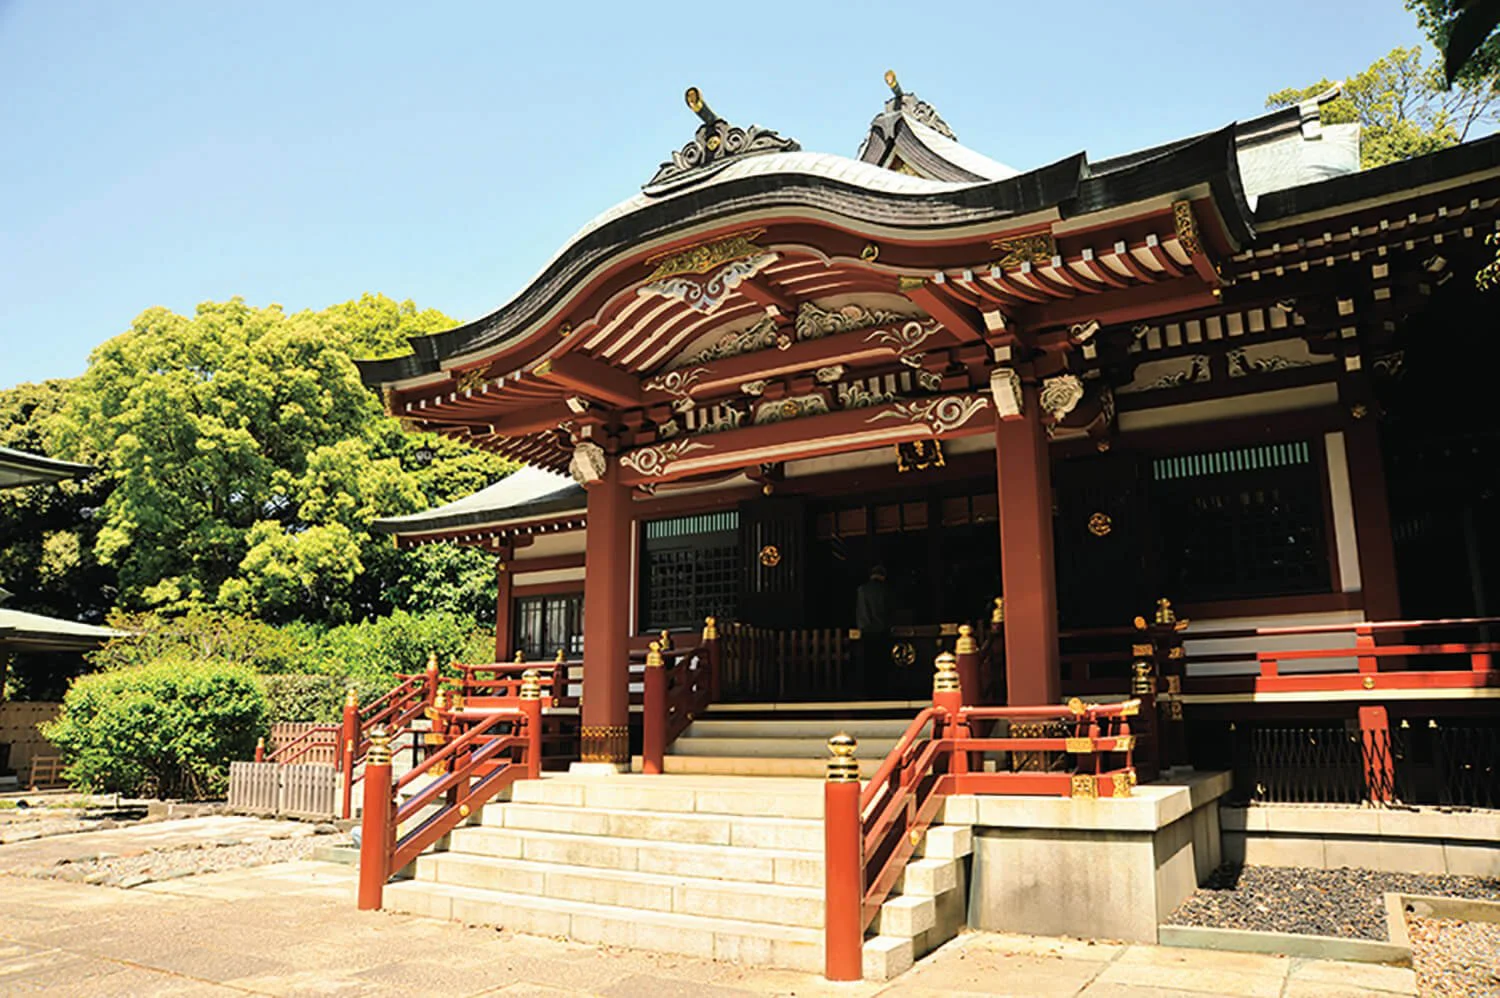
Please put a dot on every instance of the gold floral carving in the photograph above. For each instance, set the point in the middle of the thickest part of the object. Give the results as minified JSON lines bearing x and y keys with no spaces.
{"x":1037,"y":248}
{"x":1084,"y":786}
{"x":1187,"y":227}
{"x":1100,"y":524}
{"x":471,"y":379}
{"x":704,"y":257}
{"x":605,"y":743}
{"x":1078,"y":746}
{"x":770,"y":556}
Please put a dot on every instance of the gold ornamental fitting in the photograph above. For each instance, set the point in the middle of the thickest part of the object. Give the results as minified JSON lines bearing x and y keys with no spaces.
{"x":710,"y":629}
{"x":1076,"y":707}
{"x":997,"y":615}
{"x":520,"y":657}
{"x":531,"y":684}
{"x":890,"y":81}
{"x":666,"y":640}
{"x":432,"y":661}
{"x":561,"y":658}
{"x":380,"y":748}
{"x":693,"y":97}
{"x":945,"y":680}
{"x":843,"y":767}
{"x":1143,"y":682}
{"x":351,"y":699}
{"x":1164,"y":612}
{"x":653,"y":657}
{"x":966,"y":644}
{"x":440,"y":702}
{"x":260,"y":742}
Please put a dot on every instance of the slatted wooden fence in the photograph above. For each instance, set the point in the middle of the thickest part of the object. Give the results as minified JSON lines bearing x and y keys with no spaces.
{"x":296,"y":790}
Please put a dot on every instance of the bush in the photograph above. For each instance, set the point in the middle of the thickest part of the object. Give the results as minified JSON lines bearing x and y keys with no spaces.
{"x":376,"y":650}
{"x":167,"y":729}
{"x":318,"y":698}
{"x":206,"y":637}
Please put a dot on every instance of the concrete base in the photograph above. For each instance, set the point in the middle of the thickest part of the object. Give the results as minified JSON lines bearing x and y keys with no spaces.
{"x":1393,"y":840}
{"x":1105,"y":868}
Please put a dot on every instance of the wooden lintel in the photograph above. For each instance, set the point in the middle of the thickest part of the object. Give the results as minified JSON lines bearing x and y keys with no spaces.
{"x":959,"y":319}
{"x":553,"y":563}
{"x":593,"y":379}
{"x":1144,"y":302}
{"x":764,"y":293}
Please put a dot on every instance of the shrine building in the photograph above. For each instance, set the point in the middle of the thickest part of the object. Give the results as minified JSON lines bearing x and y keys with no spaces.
{"x":1234,"y":370}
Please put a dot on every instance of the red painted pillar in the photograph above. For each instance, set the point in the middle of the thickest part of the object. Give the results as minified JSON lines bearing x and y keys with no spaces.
{"x":531,"y":706}
{"x":503,"y":593}
{"x":375,"y":834}
{"x":606,"y":622}
{"x":843,"y":865}
{"x":348,"y":745}
{"x":1379,"y":761}
{"x":260,"y":749}
{"x":1372,"y":513}
{"x":654,"y":712}
{"x":1026,"y":565}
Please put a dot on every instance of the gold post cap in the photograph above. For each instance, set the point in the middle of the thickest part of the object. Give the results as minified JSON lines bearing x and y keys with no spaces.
{"x":666,"y":639}
{"x":945,"y":679}
{"x":520,"y":657}
{"x":260,"y":742}
{"x":380,"y":747}
{"x":561,"y":658}
{"x":351,"y":699}
{"x":843,"y":767}
{"x":531,"y":684}
{"x":440,"y":701}
{"x":997,"y":615}
{"x":653,"y":656}
{"x":710,"y":629}
{"x":966,"y":644}
{"x":432,"y":661}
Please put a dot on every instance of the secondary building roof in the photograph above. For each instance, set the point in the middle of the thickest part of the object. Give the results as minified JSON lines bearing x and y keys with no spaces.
{"x":33,"y":632}
{"x":526,"y":495}
{"x":19,"y":467}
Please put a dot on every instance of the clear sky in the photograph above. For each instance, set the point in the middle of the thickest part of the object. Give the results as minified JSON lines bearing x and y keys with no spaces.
{"x":162,"y":153}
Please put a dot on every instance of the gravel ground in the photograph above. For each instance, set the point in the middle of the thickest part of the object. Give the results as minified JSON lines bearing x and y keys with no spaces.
{"x":1455,"y":959}
{"x":168,"y":864}
{"x":1342,"y":902}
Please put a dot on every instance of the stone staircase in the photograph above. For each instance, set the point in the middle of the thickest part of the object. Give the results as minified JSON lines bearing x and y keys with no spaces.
{"x":726,"y":868}
{"x":729,"y":744}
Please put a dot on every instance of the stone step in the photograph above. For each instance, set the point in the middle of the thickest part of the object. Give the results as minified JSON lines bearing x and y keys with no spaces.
{"x":758,"y":748}
{"x":803,"y":834}
{"x":759,"y":865}
{"x":715,"y":765}
{"x":775,"y":904}
{"x":679,"y":794}
{"x":731,"y":940}
{"x":806,"y":727}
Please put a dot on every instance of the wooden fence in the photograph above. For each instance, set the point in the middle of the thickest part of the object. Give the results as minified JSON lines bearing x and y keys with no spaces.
{"x":296,"y":791}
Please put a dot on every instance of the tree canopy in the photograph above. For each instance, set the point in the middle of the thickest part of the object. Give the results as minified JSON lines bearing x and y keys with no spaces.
{"x":1401,"y":106}
{"x":1465,"y":32}
{"x":241,"y":462}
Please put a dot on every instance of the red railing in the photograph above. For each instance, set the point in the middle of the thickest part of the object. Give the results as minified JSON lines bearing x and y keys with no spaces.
{"x":485,"y":752}
{"x":874,"y":832}
{"x":317,"y":740}
{"x":678,"y":686}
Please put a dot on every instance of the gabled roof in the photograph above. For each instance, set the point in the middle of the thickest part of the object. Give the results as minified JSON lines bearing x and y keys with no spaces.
{"x":22,"y":631}
{"x":910,"y":136}
{"x":525,"y":494}
{"x":18,"y":468}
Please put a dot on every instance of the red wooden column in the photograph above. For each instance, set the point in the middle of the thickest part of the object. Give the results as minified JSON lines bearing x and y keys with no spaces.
{"x":1375,"y":744}
{"x":1372,"y":513}
{"x":1026,"y":566}
{"x":504,"y":585}
{"x":606,"y":623}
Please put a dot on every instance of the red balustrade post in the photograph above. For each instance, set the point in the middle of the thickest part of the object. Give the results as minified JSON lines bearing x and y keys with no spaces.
{"x":260,"y":750}
{"x":1375,"y":749}
{"x":531,"y":706}
{"x":375,"y":834}
{"x":1364,"y":639}
{"x":948,"y":697}
{"x":348,"y":747}
{"x":654,"y":712}
{"x":843,"y":865}
{"x":711,"y":642}
{"x":1479,"y":661}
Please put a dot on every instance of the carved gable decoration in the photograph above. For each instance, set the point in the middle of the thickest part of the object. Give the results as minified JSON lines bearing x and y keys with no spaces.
{"x":899,"y":333}
{"x":714,"y":145}
{"x":702,"y":276}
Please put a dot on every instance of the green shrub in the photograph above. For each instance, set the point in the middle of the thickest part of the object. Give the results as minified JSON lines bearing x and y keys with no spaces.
{"x":377,"y":650}
{"x":167,"y":729}
{"x":206,"y":637}
{"x":317,"y":698}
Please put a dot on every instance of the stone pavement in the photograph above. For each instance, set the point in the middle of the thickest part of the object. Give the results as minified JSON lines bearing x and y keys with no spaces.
{"x":129,"y":840}
{"x":291,"y":929}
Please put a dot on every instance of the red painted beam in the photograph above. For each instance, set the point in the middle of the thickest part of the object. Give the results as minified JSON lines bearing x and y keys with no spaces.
{"x":959,"y":319}
{"x":1131,"y":305}
{"x":592,"y":379}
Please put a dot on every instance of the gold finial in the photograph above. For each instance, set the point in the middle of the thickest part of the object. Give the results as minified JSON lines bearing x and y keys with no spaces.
{"x":1164,"y":612}
{"x":531,"y":685}
{"x":666,"y":639}
{"x":432,"y":661}
{"x":653,"y":656}
{"x":945,"y":680}
{"x":260,"y":743}
{"x":694,"y":99}
{"x":561,"y":658}
{"x":440,"y":702}
{"x":351,"y":699}
{"x":892,"y":82}
{"x":997,"y":615}
{"x":843,"y":767}
{"x":710,"y":629}
{"x":1143,"y":682}
{"x":1075,"y":706}
{"x":966,"y":644}
{"x":380,"y":748}
{"x":520,"y":656}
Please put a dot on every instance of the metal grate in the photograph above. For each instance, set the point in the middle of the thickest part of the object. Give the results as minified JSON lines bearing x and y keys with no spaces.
{"x":1304,"y":766}
{"x":1228,"y":462}
{"x":687,"y":526}
{"x":686,"y":584}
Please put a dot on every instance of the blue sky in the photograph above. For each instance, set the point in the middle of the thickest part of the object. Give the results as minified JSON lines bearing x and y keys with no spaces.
{"x":303,"y":153}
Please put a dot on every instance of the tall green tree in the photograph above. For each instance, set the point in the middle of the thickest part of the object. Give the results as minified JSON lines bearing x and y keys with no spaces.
{"x":247,"y":460}
{"x":1464,"y":31}
{"x":1401,"y":106}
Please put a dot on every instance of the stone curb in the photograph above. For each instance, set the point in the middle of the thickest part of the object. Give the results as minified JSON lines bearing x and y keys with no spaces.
{"x":1286,"y":944}
{"x":1431,"y":906}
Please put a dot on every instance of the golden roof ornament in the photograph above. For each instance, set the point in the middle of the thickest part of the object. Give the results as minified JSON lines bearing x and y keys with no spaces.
{"x":714,"y":144}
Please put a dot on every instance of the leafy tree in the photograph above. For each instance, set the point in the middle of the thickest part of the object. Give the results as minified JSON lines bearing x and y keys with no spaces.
{"x":247,"y":460}
{"x":1401,"y":107}
{"x":1464,"y":31}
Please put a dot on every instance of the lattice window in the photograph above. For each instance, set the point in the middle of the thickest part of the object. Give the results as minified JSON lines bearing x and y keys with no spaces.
{"x":545,"y":624}
{"x":690,"y":568}
{"x":1241,"y":522}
